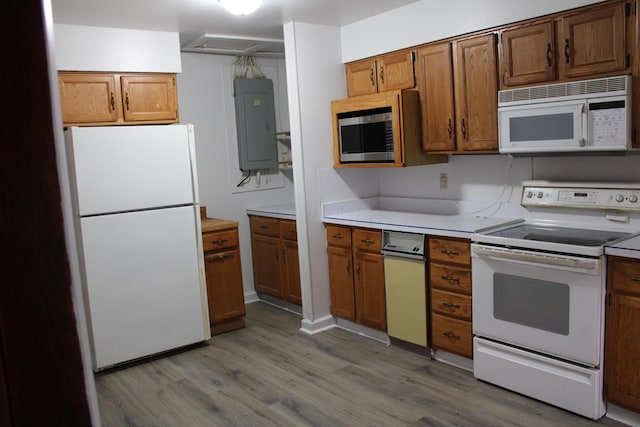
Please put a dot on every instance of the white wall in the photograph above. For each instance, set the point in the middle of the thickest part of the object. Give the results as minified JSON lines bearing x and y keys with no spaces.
{"x":315,"y":76}
{"x":429,"y":20}
{"x":81,"y":48}
{"x":205,"y":89}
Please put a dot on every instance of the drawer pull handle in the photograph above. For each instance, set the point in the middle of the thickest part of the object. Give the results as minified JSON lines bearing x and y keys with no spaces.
{"x":368,"y":241}
{"x":220,"y":241}
{"x":635,"y":279}
{"x":451,"y":335}
{"x":264,"y":227}
{"x":220,"y":257}
{"x":452,"y":306}
{"x":449,"y":278}
{"x":337,"y":236}
{"x":448,"y":252}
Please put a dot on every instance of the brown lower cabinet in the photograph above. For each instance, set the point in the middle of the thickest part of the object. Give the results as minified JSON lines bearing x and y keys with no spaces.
{"x":356,"y":275}
{"x":450,"y":287}
{"x":223,"y":271}
{"x":274,"y":250}
{"x":622,"y":347}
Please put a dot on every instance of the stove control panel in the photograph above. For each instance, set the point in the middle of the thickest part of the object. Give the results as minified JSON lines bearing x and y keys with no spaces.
{"x":602,"y":196}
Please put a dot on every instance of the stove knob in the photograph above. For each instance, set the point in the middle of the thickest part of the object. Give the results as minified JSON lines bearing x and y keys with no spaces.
{"x":540,"y":194}
{"x":530,"y":194}
{"x":633,"y":198}
{"x":620,"y":198}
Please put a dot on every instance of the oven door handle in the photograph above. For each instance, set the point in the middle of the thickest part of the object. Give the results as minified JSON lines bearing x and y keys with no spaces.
{"x":536,"y":258}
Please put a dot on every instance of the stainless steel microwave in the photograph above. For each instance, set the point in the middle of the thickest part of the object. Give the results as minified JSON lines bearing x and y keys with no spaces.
{"x":574,"y":117}
{"x":366,"y":136}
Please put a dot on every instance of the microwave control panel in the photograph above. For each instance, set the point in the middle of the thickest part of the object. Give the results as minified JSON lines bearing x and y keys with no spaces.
{"x":608,"y":123}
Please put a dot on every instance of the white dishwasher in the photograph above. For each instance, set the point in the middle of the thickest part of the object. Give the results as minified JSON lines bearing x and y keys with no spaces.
{"x":405,"y":286}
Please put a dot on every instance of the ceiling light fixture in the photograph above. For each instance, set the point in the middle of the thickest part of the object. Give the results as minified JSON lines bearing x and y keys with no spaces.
{"x":240,"y":7}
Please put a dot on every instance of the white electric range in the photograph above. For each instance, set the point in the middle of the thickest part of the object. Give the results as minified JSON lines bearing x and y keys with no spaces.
{"x":539,"y":287}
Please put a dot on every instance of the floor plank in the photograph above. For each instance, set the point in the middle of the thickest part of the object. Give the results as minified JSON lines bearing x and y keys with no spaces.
{"x":271,"y":374}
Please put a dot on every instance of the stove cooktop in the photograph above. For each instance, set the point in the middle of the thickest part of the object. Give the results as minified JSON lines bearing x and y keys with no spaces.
{"x":562,"y":235}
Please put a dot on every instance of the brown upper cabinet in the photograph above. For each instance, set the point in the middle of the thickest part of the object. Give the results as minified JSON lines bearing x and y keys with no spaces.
{"x":590,"y":42}
{"x":594,"y":41}
{"x":527,"y":54}
{"x":99,"y":99}
{"x":392,"y":71}
{"x":457,"y":82}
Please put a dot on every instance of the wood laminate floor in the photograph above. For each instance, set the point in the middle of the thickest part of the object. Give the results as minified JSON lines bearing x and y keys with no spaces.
{"x":270,"y":374}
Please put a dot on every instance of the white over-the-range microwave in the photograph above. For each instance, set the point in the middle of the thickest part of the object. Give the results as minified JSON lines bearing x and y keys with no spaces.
{"x":588,"y":116}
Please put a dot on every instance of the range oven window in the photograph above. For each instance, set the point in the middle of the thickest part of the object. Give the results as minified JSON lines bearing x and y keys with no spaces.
{"x":539,"y":304}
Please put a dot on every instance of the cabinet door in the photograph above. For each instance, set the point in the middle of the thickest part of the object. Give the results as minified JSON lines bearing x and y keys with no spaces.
{"x":395,"y":71}
{"x":150,"y":97}
{"x":527,"y":55}
{"x":266,"y":264}
{"x":341,"y":283}
{"x":291,"y":272}
{"x":435,"y":85}
{"x":370,"y":296}
{"x":475,"y":82}
{"x":224,"y":285}
{"x":362,"y":78}
{"x":88,"y":98}
{"x":622,"y":352}
{"x":593,"y":42}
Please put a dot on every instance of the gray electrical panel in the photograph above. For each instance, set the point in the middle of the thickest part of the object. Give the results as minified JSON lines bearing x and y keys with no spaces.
{"x":256,"y":124}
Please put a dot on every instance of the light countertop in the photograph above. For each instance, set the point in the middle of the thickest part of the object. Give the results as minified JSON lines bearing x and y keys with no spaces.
{"x":629,"y":248}
{"x":285,"y":211}
{"x":433,"y":217}
{"x":215,"y":224}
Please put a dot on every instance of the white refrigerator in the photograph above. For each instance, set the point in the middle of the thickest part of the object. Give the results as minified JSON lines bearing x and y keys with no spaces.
{"x":139,"y":237}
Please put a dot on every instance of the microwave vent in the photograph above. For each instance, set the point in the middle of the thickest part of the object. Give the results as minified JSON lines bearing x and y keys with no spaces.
{"x":598,"y":87}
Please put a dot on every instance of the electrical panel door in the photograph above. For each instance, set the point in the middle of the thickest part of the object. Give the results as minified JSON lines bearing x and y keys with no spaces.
{"x":256,"y":124}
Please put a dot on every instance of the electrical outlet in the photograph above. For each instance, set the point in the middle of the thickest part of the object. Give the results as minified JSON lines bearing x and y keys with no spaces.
{"x":443,"y":181}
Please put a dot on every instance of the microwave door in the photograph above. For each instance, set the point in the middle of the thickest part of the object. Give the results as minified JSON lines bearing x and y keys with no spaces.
{"x":545,"y":127}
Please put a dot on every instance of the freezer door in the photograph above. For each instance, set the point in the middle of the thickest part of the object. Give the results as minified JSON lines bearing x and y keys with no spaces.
{"x":142,"y":282}
{"x":124,"y":168}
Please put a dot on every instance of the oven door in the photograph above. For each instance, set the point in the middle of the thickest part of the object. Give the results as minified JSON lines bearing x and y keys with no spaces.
{"x":548,"y":303}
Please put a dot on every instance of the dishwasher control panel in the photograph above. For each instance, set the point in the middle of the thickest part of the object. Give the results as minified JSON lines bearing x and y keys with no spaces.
{"x":401,"y":243}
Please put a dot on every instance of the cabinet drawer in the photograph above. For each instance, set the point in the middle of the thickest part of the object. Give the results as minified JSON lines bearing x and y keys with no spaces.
{"x":452,"y":335}
{"x":453,"y":279}
{"x":288,"y":230}
{"x":338,"y":236}
{"x":446,"y":250}
{"x":264,"y":225}
{"x":369,"y":240}
{"x":450,"y":304}
{"x":624,"y":275}
{"x":220,"y":240}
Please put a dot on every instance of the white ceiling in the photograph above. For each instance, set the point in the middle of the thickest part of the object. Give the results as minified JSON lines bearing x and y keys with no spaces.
{"x":194,"y":18}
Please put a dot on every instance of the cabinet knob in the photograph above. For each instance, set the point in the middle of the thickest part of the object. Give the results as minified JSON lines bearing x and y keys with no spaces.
{"x":567,"y":51}
{"x":549,"y":55}
{"x":126,"y":100}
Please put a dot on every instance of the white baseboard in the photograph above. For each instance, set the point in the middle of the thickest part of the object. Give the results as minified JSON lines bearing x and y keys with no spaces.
{"x":319,"y":325}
